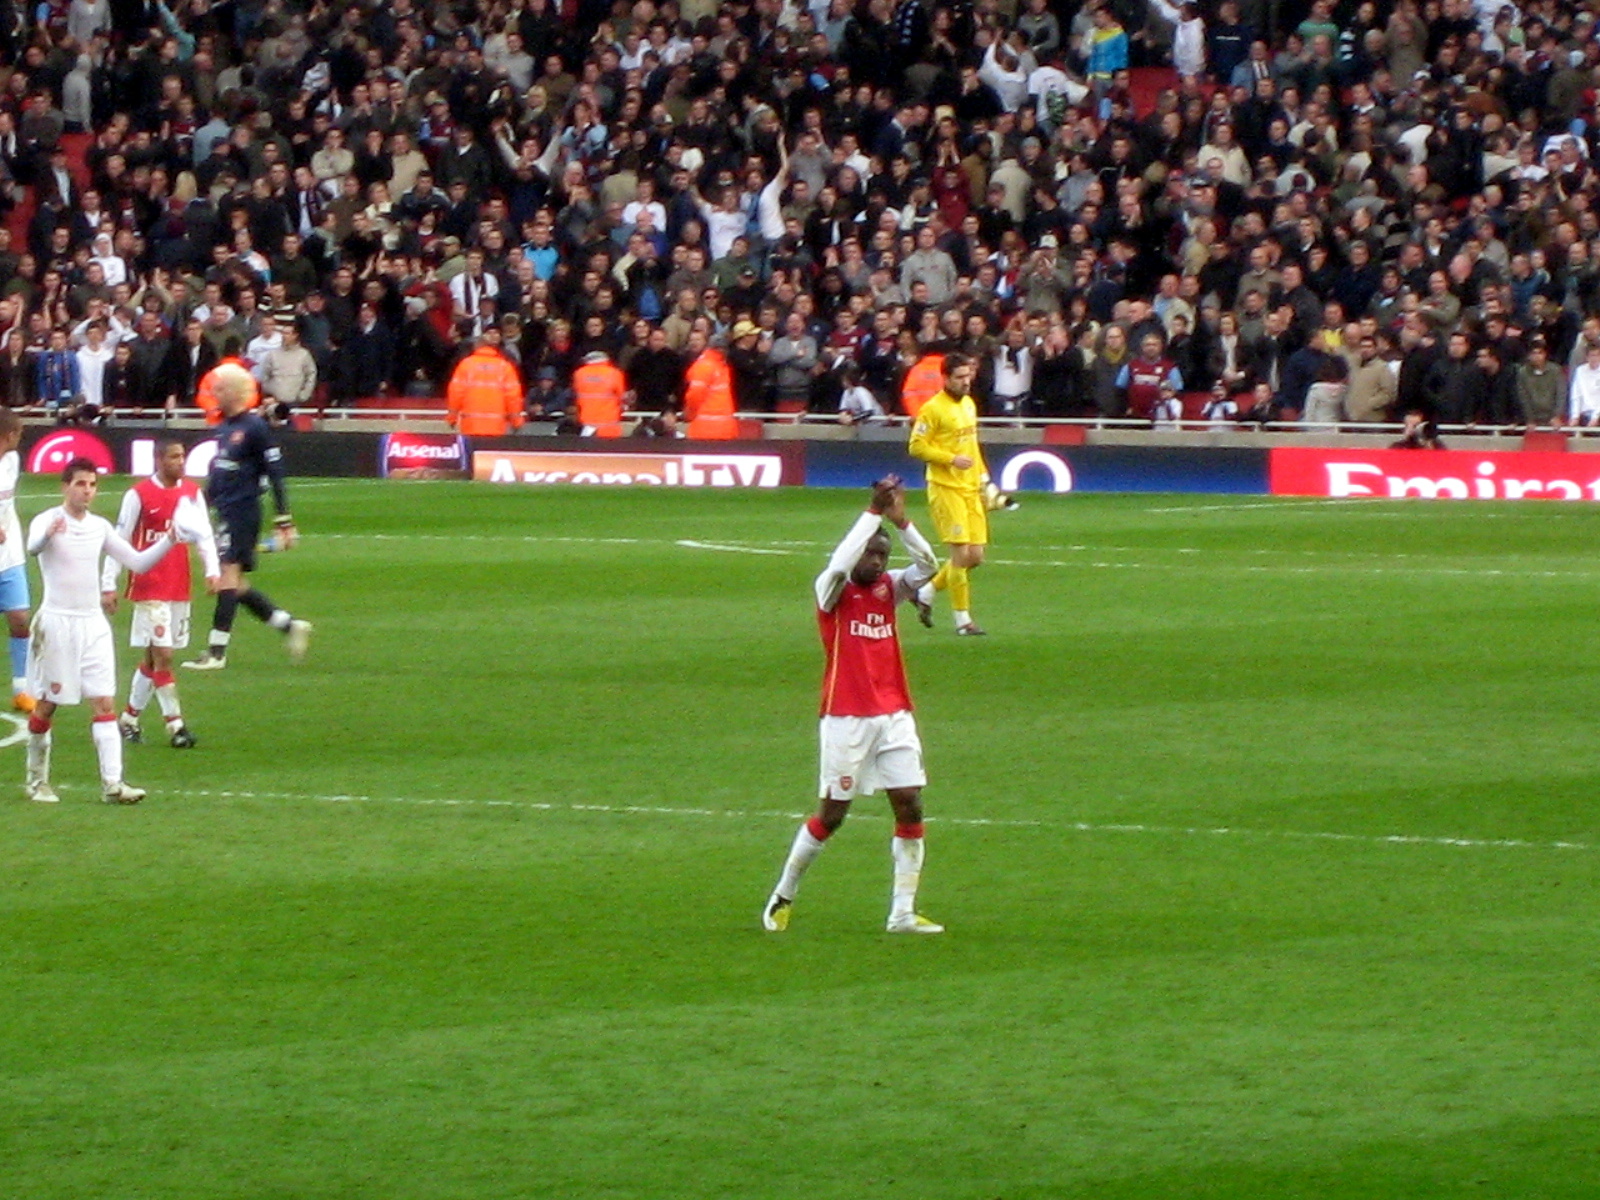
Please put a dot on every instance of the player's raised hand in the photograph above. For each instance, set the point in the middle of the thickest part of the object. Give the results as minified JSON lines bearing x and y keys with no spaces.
{"x":58,"y":527}
{"x":883,"y":493}
{"x":896,"y":511}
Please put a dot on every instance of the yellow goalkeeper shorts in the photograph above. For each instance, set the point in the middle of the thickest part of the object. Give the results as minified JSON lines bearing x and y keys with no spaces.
{"x":959,"y":517}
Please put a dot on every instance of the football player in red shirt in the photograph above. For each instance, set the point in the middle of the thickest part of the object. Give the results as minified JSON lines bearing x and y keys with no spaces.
{"x":869,"y":737}
{"x":161,"y":595}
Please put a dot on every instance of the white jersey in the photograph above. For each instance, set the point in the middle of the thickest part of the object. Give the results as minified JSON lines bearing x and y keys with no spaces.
{"x":70,"y":560}
{"x":12,"y":551}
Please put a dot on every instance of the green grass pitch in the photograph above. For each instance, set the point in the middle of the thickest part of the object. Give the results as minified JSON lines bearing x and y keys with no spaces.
{"x":1266,"y":834}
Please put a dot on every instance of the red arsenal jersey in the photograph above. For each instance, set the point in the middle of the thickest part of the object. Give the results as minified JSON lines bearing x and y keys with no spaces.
{"x":865,"y":676}
{"x":169,"y":578}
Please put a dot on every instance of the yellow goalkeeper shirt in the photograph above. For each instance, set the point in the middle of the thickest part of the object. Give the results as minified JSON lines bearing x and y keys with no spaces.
{"x":943,"y":429}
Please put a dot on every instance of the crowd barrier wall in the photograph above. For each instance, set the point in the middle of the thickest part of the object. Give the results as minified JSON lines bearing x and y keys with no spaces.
{"x":586,"y":462}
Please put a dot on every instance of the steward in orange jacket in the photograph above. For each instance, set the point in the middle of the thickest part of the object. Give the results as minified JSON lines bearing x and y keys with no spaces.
{"x":485,"y":394}
{"x":205,"y":395}
{"x":600,"y":390}
{"x":708,"y":395}
{"x":924,"y":379}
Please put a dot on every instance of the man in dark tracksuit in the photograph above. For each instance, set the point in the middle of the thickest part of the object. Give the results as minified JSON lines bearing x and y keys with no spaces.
{"x":246,"y":454}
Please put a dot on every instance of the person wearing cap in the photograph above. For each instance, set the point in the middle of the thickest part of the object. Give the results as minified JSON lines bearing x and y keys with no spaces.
{"x":746,"y":293}
{"x":747,"y":360}
{"x":708,"y":389}
{"x":600,"y":390}
{"x":485,"y":394}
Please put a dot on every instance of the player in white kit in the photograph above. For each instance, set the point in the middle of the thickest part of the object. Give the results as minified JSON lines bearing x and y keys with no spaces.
{"x":71,"y":656}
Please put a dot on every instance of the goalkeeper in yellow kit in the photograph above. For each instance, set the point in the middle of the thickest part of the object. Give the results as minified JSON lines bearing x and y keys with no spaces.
{"x":945,"y":436}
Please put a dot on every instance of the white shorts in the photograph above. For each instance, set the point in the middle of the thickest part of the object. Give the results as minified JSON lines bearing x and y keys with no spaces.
{"x":860,"y":755}
{"x":160,"y":623}
{"x":71,"y":657}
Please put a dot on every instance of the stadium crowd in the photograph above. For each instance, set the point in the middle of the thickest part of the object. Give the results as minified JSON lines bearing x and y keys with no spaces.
{"x":1345,"y":212}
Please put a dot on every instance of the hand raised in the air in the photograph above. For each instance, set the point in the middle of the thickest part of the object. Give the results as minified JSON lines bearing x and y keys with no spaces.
{"x":883,"y":493}
{"x":896,"y":511}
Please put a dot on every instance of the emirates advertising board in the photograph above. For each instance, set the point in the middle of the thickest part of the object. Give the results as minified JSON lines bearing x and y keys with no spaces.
{"x":1434,"y":474}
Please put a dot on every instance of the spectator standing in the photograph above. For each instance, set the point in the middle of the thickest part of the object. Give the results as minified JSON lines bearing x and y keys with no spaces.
{"x":794,"y":360}
{"x":485,"y":393}
{"x":1541,"y":389}
{"x":600,"y":391}
{"x":708,"y":392}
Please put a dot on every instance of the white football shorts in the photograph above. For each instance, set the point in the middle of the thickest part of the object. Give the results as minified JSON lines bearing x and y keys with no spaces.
{"x":70,"y":657}
{"x":861,"y":755}
{"x":160,"y":623}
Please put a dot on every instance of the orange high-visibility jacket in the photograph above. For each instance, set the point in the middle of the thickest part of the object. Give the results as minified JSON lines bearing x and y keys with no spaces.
{"x":708,"y":397}
{"x":924,"y":379}
{"x":205,"y":395}
{"x":485,"y":394}
{"x":600,"y":389}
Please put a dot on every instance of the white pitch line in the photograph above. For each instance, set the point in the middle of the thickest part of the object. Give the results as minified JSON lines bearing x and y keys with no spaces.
{"x":18,"y":734}
{"x":731,"y":548}
{"x":1195,"y":559}
{"x":1246,"y":506}
{"x":662,"y":810}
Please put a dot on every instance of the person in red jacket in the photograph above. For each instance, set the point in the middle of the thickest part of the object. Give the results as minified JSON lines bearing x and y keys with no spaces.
{"x":485,"y":395}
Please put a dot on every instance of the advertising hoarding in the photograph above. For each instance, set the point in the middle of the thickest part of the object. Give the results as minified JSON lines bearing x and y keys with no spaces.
{"x":1240,"y":471}
{"x":1434,"y":474}
{"x":599,"y":465}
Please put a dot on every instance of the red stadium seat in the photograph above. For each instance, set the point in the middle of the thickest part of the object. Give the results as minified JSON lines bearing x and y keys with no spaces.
{"x":1545,"y":440}
{"x":1064,"y":435}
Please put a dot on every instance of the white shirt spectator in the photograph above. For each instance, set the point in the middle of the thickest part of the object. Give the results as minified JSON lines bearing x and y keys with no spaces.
{"x":1583,"y":395}
{"x":1013,"y":372}
{"x":1188,"y":39}
{"x":260,"y":346}
{"x":1009,"y":82}
{"x":657,"y":211}
{"x":92,"y":372}
{"x":860,"y":405}
{"x":468,"y":293}
{"x":1047,"y":82}
{"x":722,"y":227}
